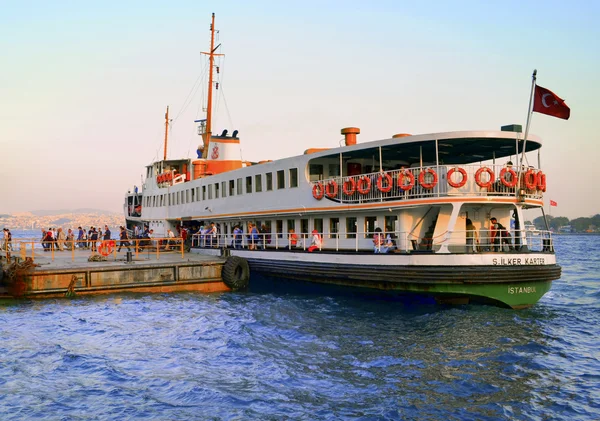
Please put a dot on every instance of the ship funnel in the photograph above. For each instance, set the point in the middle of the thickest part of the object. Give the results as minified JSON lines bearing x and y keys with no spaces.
{"x":350,"y":135}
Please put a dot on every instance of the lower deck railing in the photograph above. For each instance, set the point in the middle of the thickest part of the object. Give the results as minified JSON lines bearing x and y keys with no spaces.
{"x":389,"y":242}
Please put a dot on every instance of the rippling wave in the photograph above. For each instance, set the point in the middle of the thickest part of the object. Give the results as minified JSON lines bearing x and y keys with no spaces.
{"x":280,"y":352}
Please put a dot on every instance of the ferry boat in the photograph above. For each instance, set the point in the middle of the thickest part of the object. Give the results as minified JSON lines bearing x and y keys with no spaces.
{"x":388,"y":214}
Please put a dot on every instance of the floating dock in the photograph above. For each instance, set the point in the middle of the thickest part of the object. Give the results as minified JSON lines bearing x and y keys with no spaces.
{"x":69,"y":273}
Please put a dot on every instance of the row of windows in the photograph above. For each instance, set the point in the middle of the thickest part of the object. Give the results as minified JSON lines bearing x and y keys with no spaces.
{"x":251,"y":184}
{"x":303,"y":226}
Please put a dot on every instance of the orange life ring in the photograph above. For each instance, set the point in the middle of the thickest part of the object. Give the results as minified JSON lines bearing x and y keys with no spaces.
{"x":478,"y":177}
{"x":541,"y":181}
{"x":331,"y":194}
{"x":158,"y":179}
{"x":318,"y":191}
{"x":422,"y":178}
{"x":411,"y":180}
{"x":352,"y":189}
{"x":530,"y":179}
{"x":388,"y":180}
{"x":169,"y":176}
{"x":462,"y":182}
{"x":364,"y":185}
{"x":513,"y":177}
{"x":106,"y":248}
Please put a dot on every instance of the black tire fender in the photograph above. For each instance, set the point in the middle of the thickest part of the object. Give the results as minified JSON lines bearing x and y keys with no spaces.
{"x":236,"y":273}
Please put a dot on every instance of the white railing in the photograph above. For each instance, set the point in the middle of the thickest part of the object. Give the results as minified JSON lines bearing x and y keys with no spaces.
{"x":404,"y":242}
{"x":432,"y":181}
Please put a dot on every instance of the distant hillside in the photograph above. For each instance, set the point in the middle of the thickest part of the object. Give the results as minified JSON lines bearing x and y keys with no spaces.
{"x":67,"y":211}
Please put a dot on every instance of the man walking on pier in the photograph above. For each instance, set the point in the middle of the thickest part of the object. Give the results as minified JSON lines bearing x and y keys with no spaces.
{"x":124,"y":237}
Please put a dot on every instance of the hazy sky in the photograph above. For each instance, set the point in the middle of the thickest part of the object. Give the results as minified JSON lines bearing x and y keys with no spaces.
{"x":84,"y":85}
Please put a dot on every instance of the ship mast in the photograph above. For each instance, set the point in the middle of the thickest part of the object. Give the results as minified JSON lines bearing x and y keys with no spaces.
{"x":166,"y":131}
{"x":211,"y":58}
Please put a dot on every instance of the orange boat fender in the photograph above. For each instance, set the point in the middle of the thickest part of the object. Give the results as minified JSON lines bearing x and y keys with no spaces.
{"x":364,"y":185}
{"x":411,"y":180}
{"x":388,"y":181}
{"x":530,"y":179}
{"x":513,"y":177}
{"x":422,"y":178}
{"x":349,"y":190}
{"x":106,"y":248}
{"x":318,"y":191}
{"x":331,"y":193}
{"x":478,"y":177}
{"x":462,"y":181}
{"x":541,"y":181}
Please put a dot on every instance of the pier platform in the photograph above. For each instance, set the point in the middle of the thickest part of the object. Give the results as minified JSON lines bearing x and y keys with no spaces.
{"x":70,"y":273}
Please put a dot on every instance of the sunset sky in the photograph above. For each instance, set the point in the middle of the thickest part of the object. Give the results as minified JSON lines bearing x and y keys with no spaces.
{"x":84,"y":85}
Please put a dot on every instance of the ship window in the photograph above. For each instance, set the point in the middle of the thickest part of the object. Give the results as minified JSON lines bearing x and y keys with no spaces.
{"x":198,"y":193}
{"x":210,"y":196}
{"x":216,"y":190}
{"x":291,"y":224}
{"x":231,"y":187}
{"x":315,"y":172}
{"x":370,"y":225}
{"x":193,"y":195}
{"x":203,"y":192}
{"x":239,"y":186}
{"x":223,"y":188}
{"x":318,"y":225}
{"x":304,"y":227}
{"x":294,"y":178}
{"x":153,"y":201}
{"x":187,"y":196}
{"x":334,"y":227}
{"x":351,"y":227}
{"x":178,"y":198}
{"x":391,"y":223}
{"x":279,"y":228}
{"x":258,"y":183}
{"x":249,"y":184}
{"x":269,"y":181}
{"x":334,"y":170}
{"x":280,"y":179}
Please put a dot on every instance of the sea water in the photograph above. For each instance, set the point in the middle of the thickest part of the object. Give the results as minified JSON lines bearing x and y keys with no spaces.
{"x":293,"y":354}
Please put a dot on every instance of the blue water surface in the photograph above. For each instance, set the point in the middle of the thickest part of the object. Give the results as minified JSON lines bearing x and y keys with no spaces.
{"x":288,"y":353}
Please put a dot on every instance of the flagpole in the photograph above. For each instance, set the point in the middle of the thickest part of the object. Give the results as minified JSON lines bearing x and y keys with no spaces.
{"x":529,"y":113}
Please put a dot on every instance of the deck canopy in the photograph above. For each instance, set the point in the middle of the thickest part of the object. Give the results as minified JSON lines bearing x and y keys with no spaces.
{"x":454,"y":148}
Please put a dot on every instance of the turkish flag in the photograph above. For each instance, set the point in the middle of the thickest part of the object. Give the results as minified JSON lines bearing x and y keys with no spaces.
{"x":546,"y":102}
{"x":553,"y":203}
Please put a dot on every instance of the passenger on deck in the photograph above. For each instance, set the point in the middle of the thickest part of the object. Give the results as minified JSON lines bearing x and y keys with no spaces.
{"x":499,"y":236}
{"x":316,"y":242}
{"x":70,"y":240}
{"x":471,"y":234}
{"x":212,"y":233}
{"x":237,"y":237}
{"x":60,"y":239}
{"x":382,"y":244}
{"x":124,"y":239}
{"x":293,"y":238}
{"x":253,"y":237}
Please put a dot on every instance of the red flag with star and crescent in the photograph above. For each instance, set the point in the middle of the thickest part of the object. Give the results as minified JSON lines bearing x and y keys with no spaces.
{"x":553,"y":203}
{"x":547,"y":102}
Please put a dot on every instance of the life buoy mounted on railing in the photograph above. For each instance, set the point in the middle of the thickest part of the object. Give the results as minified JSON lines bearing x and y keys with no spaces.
{"x":388,"y":181}
{"x":484,"y":184}
{"x":541,"y":181}
{"x":463,"y":180}
{"x":364,"y":185}
{"x":158,"y":179}
{"x":433,"y":182}
{"x":106,"y":248}
{"x":349,"y":187}
{"x":411,"y":180}
{"x":331,"y":193}
{"x":318,"y":191}
{"x":530,"y":180}
{"x":513,"y":177}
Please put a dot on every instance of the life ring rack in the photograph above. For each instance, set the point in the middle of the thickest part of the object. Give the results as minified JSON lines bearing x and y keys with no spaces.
{"x":530,"y":179}
{"x":463,"y":180}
